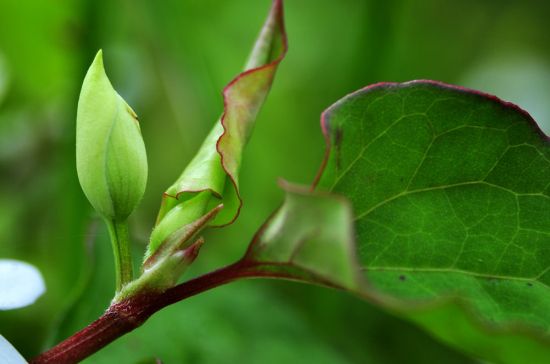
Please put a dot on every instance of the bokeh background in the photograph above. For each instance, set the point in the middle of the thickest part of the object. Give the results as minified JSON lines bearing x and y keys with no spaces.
{"x":170,"y":59}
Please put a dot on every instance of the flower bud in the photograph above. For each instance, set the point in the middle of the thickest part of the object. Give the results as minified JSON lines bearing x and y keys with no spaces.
{"x":110,"y":154}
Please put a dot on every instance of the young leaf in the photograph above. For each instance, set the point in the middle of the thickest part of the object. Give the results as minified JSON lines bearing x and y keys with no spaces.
{"x":451,"y":194}
{"x":21,"y":284}
{"x":162,"y":269}
{"x":310,"y":237}
{"x":212,"y":175}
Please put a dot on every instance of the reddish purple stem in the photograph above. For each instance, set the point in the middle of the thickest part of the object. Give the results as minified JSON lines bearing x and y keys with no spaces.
{"x":128,"y":315}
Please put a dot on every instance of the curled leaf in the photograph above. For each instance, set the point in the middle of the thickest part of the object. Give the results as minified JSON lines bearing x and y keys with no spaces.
{"x":311,"y":238}
{"x":212,"y":175}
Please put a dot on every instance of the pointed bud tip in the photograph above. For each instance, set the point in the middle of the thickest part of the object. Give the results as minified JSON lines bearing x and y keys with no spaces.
{"x":98,"y":59}
{"x":191,"y":252}
{"x":108,"y":140}
{"x":96,"y":71}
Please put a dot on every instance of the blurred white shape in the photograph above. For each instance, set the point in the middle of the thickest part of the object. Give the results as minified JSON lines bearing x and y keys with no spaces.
{"x":523,"y":79}
{"x":20,"y":284}
{"x":8,"y":354}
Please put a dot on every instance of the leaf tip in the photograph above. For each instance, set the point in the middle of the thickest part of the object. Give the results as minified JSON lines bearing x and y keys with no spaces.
{"x":97,"y":63}
{"x":96,"y":74}
{"x":191,"y":253}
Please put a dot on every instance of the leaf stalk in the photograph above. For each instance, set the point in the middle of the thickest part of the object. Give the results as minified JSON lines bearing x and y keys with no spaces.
{"x":120,"y":241}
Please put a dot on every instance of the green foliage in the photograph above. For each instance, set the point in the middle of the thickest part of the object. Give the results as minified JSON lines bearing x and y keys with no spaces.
{"x":207,"y":191}
{"x":213,"y":174}
{"x":450,"y":193}
{"x":309,"y":237}
{"x":175,"y":49}
{"x":216,"y":327}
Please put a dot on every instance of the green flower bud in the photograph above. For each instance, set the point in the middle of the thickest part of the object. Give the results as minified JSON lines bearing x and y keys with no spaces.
{"x":110,"y":153}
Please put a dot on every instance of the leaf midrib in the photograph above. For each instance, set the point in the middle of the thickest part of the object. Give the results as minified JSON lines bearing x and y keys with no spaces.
{"x":460,"y":271}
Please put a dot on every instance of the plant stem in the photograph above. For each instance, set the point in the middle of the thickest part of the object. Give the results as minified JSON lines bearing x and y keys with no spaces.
{"x":128,"y":315}
{"x":120,"y":240}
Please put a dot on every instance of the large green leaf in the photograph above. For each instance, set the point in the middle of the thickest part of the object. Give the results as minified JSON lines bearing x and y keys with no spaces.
{"x":450,"y":190}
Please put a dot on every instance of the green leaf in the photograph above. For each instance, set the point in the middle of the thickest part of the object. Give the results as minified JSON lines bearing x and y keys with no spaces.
{"x":163,"y":269}
{"x":450,"y":190}
{"x":110,"y":153}
{"x":309,"y":237}
{"x":215,"y":168}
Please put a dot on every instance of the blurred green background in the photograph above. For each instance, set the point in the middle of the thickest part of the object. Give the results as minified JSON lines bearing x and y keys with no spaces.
{"x":170,"y":59}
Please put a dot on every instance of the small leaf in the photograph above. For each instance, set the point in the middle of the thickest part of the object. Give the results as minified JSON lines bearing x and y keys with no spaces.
{"x":163,"y":272}
{"x":8,"y":354}
{"x":21,"y":284}
{"x":212,"y":176}
{"x":309,"y":237}
{"x":181,"y":217}
{"x":450,"y":190}
{"x":110,"y":154}
{"x":178,"y":239}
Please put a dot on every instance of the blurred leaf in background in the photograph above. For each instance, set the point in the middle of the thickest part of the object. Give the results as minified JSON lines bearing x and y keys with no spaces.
{"x":171,"y":59}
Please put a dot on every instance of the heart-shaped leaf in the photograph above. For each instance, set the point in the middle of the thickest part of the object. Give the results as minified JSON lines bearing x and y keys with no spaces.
{"x":451,"y":195}
{"x":450,"y":190}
